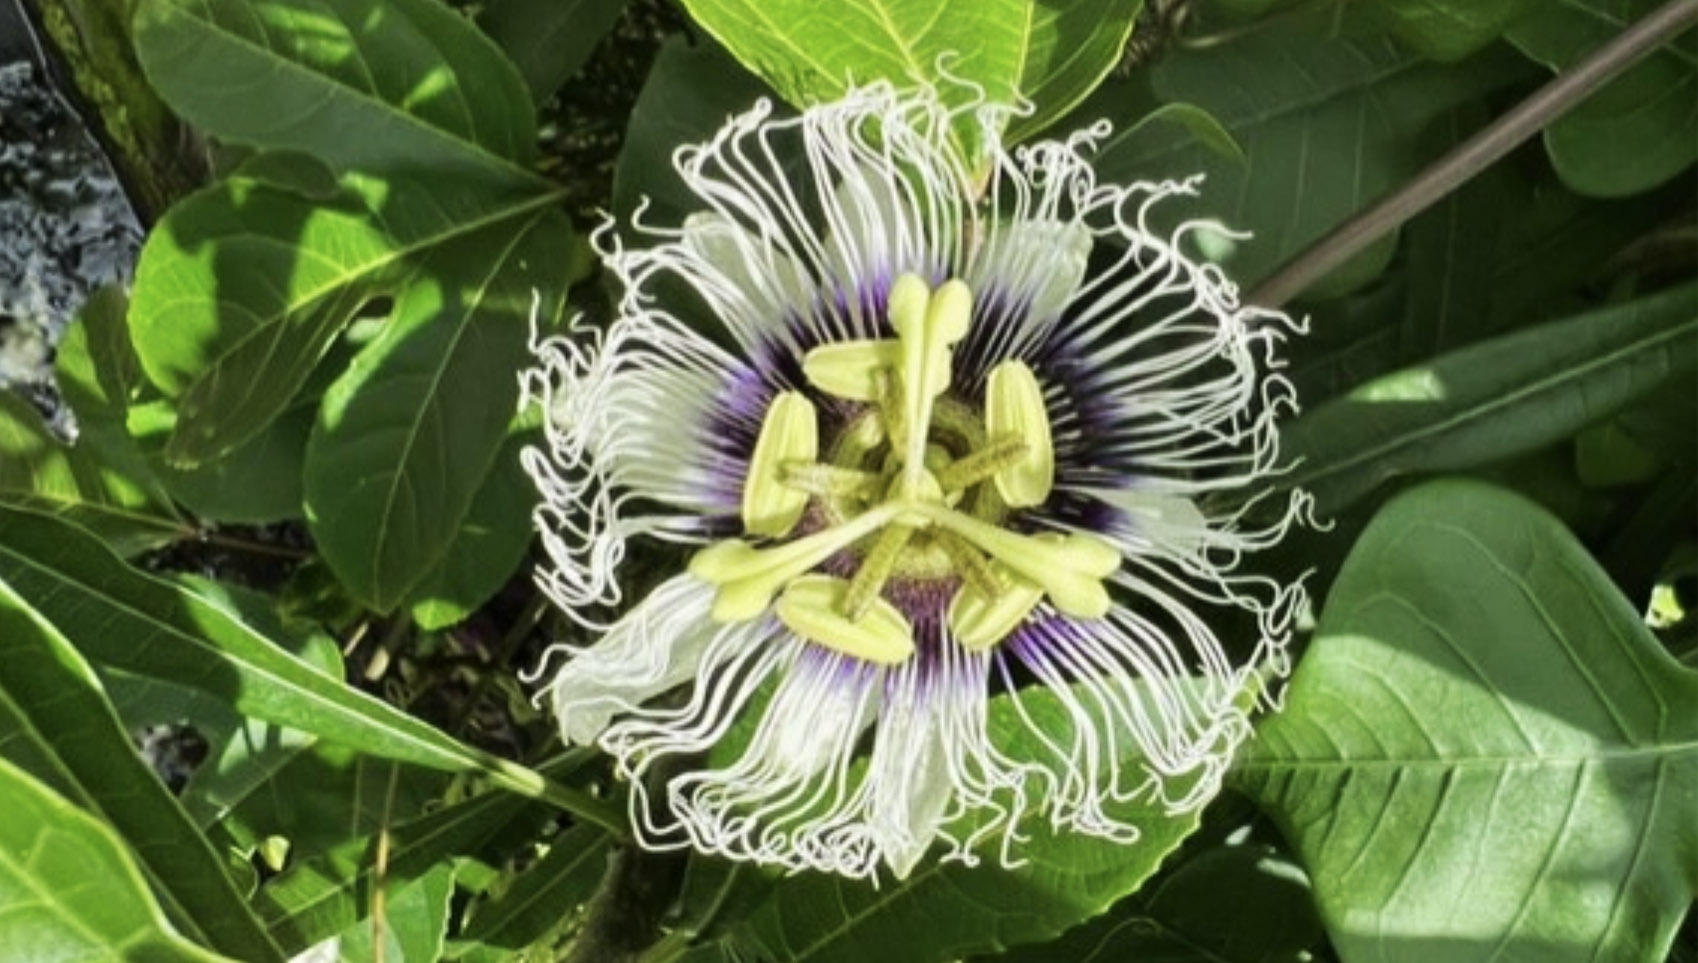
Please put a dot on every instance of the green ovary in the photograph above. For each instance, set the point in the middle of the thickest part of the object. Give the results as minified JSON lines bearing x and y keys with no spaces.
{"x":916,"y":485}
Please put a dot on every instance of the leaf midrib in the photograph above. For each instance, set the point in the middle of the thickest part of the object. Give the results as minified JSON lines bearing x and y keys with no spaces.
{"x":472,"y":305}
{"x":400,"y":253}
{"x":1650,"y":754}
{"x":217,"y":29}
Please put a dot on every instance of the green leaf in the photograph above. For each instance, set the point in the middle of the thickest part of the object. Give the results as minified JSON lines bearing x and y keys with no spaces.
{"x":1329,"y":121}
{"x":1637,"y":131}
{"x":407,"y":436}
{"x":55,"y":722}
{"x":374,"y":85}
{"x":240,"y":291}
{"x":263,"y":782}
{"x":943,"y":911}
{"x":1071,"y":45}
{"x":1485,"y":753}
{"x":1490,"y":401}
{"x":39,"y":471}
{"x":101,"y":378}
{"x":69,"y":888}
{"x":488,"y":548}
{"x":1450,"y":251}
{"x":119,"y":617}
{"x":540,"y":899}
{"x":1193,"y":120}
{"x":414,"y":921}
{"x":1558,"y":238}
{"x":1451,"y":29}
{"x":548,"y":40}
{"x":1238,"y":903}
{"x":257,"y":482}
{"x":249,"y":288}
{"x":811,"y":52}
{"x":95,"y":366}
{"x":330,"y":892}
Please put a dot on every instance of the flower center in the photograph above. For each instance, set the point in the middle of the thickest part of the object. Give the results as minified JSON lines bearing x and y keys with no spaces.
{"x":916,"y":486}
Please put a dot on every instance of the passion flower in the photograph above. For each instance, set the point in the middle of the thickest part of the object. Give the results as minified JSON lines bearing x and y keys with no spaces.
{"x":940,"y":431}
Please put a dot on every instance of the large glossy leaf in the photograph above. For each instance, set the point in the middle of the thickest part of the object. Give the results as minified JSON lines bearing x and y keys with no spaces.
{"x":246,"y":758}
{"x":375,"y":85}
{"x":428,"y":204}
{"x":55,"y":722}
{"x":1440,"y":29}
{"x":1452,"y":29}
{"x":407,"y":436}
{"x":1449,"y":255}
{"x":812,"y":52}
{"x":1490,"y":401}
{"x":1051,"y":53}
{"x":257,"y":482}
{"x":1639,"y":130}
{"x":40,"y":471}
{"x":240,"y":291}
{"x":1485,"y":754}
{"x":1070,"y":47}
{"x":1322,"y":142}
{"x":68,"y":890}
{"x":120,"y":617}
{"x":488,"y":548}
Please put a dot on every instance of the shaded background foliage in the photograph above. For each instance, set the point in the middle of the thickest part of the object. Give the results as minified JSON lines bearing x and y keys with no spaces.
{"x":267,"y":497}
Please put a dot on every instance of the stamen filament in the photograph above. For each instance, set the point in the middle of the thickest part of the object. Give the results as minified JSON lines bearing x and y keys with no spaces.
{"x":749,"y":577}
{"x":975,"y":569}
{"x":831,"y":481}
{"x":875,"y":570}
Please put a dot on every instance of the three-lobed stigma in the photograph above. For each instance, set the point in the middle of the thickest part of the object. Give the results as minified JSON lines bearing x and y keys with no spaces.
{"x":915,"y":487}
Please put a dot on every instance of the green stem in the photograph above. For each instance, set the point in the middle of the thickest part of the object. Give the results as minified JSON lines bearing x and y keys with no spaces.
{"x":247,"y":545}
{"x":581,"y":805}
{"x":1476,"y":154}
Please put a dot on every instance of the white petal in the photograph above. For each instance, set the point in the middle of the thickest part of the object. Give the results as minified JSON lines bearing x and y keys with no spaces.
{"x":656,"y":646}
{"x":911,"y":775}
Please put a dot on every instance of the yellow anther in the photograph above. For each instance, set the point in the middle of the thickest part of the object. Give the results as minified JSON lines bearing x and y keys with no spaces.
{"x":812,"y":607}
{"x":749,"y":577}
{"x":979,"y":620}
{"x":1014,"y":406}
{"x":856,"y":370}
{"x":1069,"y":568}
{"x":789,"y":433}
